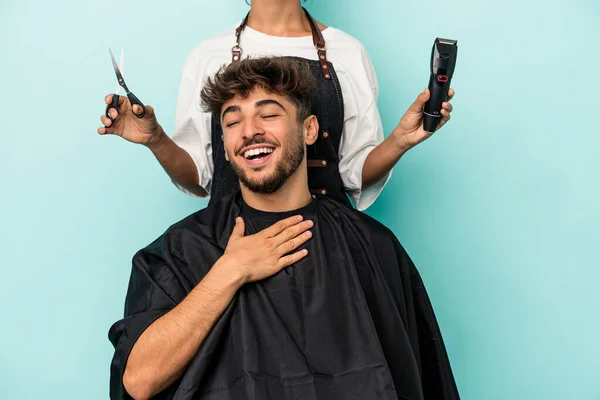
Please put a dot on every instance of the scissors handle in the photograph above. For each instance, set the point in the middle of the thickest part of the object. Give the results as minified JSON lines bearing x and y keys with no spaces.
{"x":114,"y":104}
{"x":132,"y":99}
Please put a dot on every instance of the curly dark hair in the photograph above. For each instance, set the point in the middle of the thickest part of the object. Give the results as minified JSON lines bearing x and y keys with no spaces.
{"x":279,"y":75}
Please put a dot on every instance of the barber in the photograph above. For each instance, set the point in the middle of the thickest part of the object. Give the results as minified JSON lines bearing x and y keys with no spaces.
{"x":350,"y":157}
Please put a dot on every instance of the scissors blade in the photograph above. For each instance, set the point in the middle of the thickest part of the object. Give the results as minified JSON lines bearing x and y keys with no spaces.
{"x":122,"y":69}
{"x":118,"y":72}
{"x":122,"y":63}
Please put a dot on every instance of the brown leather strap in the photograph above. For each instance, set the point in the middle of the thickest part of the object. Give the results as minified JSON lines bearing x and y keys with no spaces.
{"x":316,"y":163}
{"x":322,"y":191}
{"x":318,"y":41}
{"x":236,"y":51}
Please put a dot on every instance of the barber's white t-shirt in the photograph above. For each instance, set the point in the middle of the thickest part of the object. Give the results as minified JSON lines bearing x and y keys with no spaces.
{"x":362,"y":130}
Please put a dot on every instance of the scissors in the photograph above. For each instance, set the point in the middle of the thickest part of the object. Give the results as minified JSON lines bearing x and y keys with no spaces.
{"x":115,"y":100}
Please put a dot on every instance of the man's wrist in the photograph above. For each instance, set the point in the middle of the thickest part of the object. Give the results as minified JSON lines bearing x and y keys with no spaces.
{"x":227,"y":270}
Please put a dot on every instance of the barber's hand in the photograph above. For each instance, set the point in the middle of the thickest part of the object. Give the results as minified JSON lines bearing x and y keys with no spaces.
{"x":409,"y":131}
{"x":144,"y":131}
{"x":267,"y":252}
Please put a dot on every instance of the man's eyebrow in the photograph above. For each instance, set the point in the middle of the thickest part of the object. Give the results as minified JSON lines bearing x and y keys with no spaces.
{"x":230,"y":109}
{"x":267,"y":102}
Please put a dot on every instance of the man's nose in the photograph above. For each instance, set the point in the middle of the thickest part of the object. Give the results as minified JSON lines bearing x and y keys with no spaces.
{"x":252,"y":128}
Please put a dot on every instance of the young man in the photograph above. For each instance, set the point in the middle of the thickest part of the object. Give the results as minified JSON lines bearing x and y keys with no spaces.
{"x":271,"y":293}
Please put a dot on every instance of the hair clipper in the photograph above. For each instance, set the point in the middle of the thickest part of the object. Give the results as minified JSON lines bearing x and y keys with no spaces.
{"x":443,"y":59}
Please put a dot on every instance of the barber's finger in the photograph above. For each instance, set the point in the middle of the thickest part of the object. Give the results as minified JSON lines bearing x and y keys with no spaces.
{"x":122,"y":99}
{"x":292,"y":258}
{"x":138,"y":110}
{"x":149,"y":111}
{"x":445,"y":118}
{"x":107,"y":122}
{"x":108,"y":126}
{"x":114,"y":114}
{"x":419,"y":103}
{"x":450,"y":94}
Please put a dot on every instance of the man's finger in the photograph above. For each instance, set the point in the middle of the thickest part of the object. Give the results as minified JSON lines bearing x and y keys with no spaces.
{"x":238,"y":229}
{"x":280,"y":226}
{"x":419,"y":103}
{"x":292,"y":232}
{"x":294,"y":243}
{"x":447,"y":106}
{"x":292,"y":258}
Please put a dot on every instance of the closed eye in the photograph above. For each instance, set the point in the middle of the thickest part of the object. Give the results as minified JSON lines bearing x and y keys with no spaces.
{"x":229,"y":125}
{"x":270,"y":116}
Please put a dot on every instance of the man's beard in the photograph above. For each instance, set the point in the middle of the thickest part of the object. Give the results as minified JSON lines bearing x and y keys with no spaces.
{"x":290,"y":161}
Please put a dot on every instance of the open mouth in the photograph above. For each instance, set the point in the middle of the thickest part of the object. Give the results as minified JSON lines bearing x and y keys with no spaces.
{"x":258,"y":155}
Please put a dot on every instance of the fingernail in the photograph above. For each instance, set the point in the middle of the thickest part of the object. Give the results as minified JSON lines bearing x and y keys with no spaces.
{"x":305,"y":251}
{"x":310,"y":223}
{"x":299,"y":218}
{"x":308,"y":233}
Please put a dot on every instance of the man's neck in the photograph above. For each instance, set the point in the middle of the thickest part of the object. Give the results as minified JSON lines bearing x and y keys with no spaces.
{"x":294,"y":194}
{"x":278,"y":18}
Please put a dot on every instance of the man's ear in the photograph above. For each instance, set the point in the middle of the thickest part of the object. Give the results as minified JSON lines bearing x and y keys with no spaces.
{"x":226,"y":156}
{"x":311,"y":129}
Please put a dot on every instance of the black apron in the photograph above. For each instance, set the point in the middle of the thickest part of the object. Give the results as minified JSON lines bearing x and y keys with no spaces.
{"x":322,"y":156}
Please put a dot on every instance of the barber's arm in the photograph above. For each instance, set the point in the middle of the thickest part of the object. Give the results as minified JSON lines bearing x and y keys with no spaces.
{"x":176,"y":162}
{"x":405,"y":136}
{"x":166,"y":346}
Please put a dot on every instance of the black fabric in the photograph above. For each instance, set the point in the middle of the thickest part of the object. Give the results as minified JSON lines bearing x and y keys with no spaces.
{"x":328,"y":107}
{"x":352,"y":320}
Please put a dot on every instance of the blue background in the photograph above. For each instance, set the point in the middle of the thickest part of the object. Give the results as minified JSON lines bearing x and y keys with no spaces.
{"x":499,"y":210}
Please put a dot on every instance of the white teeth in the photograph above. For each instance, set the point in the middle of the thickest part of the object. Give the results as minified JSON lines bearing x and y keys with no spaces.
{"x":255,"y":152}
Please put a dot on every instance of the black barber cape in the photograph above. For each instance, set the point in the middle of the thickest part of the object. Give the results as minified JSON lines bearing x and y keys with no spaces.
{"x":351,"y":321}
